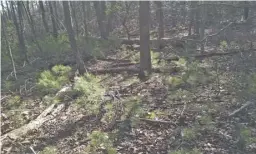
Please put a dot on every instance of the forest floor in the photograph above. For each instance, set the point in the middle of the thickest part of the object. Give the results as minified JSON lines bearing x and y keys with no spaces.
{"x":170,"y":116}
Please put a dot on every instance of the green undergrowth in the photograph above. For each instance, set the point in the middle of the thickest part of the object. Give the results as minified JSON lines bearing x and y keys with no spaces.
{"x":49,"y":150}
{"x":191,"y":74}
{"x":51,"y":45}
{"x":87,"y":88}
{"x":154,"y":57}
{"x":91,"y":92}
{"x":252,"y":84}
{"x":187,"y":151}
{"x":133,"y":107}
{"x":15,"y":108}
{"x":246,"y":135}
{"x":50,"y":81}
{"x":98,"y":48}
{"x":100,"y":142}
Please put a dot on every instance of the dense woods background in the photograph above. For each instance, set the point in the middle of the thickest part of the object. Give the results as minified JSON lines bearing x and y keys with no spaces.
{"x":111,"y":77}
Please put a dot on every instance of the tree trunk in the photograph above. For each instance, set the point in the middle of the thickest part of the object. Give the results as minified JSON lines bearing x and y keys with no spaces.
{"x":103,"y":12}
{"x":127,"y":9}
{"x":54,"y":26}
{"x":184,"y":12}
{"x":71,"y":36}
{"x":41,"y":5}
{"x":85,"y":19}
{"x":145,"y":57}
{"x":191,"y":17}
{"x":74,"y":19}
{"x":5,"y":15}
{"x":202,"y":25}
{"x":110,"y":17}
{"x":56,"y":16}
{"x":8,"y":10}
{"x":22,"y":47}
{"x":160,"y":20}
{"x":88,"y":10}
{"x":100,"y":19}
{"x":8,"y":47}
{"x":246,"y":10}
{"x":33,"y":7}
{"x":32,"y":25}
{"x":197,"y":22}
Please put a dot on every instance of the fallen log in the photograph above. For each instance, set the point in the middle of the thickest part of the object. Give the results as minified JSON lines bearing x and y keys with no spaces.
{"x":134,"y":70}
{"x":35,"y":124}
{"x":114,"y":60}
{"x":164,"y":122}
{"x":231,"y":52}
{"x":155,"y":42}
{"x":242,"y":108}
{"x":207,"y":55}
{"x":174,"y":58}
{"x":46,"y":115}
{"x":124,"y":64}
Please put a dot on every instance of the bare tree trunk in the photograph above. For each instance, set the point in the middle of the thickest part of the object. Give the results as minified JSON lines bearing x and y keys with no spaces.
{"x":22,"y":47}
{"x":197,"y":22}
{"x":103,"y":12}
{"x":8,"y":10}
{"x":160,"y":20}
{"x":100,"y":19}
{"x":127,"y":9}
{"x":85,"y":19}
{"x":20,"y":16}
{"x":32,"y":25}
{"x":191,"y":16}
{"x":41,"y":5}
{"x":33,"y":7}
{"x":110,"y":17}
{"x":74,"y":19}
{"x":202,"y":25}
{"x":145,"y":57}
{"x":8,"y":47}
{"x":54,"y":27}
{"x":71,"y":36}
{"x":3,"y":10}
{"x":88,"y":10}
{"x":184,"y":12}
{"x":246,"y":10}
{"x":56,"y":16}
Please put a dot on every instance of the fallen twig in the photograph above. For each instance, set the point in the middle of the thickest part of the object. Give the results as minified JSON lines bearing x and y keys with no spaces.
{"x":247,"y":104}
{"x":4,"y":97}
{"x":32,"y":150}
{"x":158,"y":121}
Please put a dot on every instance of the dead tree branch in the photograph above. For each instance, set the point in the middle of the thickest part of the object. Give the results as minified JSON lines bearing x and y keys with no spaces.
{"x":246,"y":105}
{"x":158,"y":121}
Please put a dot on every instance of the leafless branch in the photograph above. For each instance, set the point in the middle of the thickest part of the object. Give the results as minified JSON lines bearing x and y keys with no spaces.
{"x":32,"y":150}
{"x":247,"y":104}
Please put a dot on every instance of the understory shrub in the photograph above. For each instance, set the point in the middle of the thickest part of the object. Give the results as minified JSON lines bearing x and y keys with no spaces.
{"x":183,"y":151}
{"x":91,"y":92}
{"x":100,"y":142}
{"x":52,"y":81}
{"x":49,"y":150}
